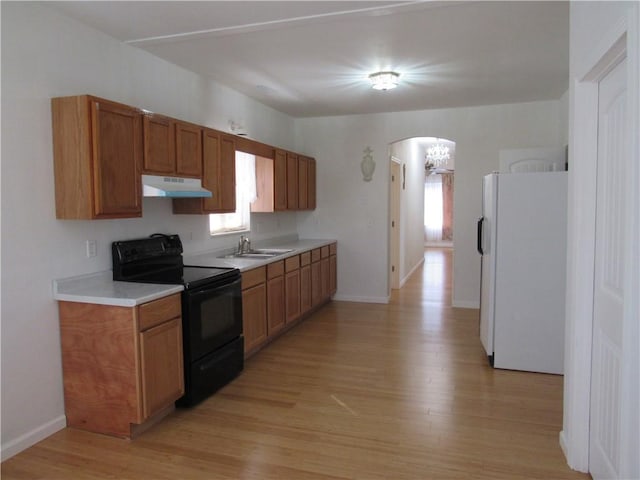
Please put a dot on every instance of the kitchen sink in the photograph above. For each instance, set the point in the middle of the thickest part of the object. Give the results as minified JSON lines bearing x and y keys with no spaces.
{"x":259,"y":253}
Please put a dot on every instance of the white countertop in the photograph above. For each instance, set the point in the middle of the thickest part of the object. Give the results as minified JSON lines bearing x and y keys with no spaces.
{"x":99,"y":288}
{"x":211,"y":259}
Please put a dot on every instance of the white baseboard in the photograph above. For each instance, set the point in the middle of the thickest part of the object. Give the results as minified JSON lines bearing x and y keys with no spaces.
{"x":355,"y":298}
{"x":13,"y":447}
{"x":465,"y":304}
{"x":563,"y":444}
{"x":416,"y":266}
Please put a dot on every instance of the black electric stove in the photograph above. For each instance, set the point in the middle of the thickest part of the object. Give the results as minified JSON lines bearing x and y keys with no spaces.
{"x":158,"y":259}
{"x":213,"y":344}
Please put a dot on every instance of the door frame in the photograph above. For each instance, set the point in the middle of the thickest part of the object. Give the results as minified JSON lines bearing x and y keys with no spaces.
{"x":622,"y":40}
{"x":394,"y":214}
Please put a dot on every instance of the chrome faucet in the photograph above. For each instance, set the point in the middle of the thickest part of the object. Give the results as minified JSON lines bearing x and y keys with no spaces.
{"x":244,"y":244}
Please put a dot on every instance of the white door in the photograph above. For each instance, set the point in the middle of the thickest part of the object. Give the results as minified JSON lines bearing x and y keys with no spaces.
{"x":610,"y":263}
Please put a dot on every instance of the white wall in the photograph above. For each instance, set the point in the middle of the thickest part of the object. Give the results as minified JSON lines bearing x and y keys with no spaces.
{"x":595,"y":26}
{"x":45,"y":55}
{"x":356,"y":212}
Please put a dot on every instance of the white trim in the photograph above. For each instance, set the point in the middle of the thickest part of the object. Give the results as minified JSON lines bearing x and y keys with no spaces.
{"x":574,"y":438}
{"x":563,"y":442}
{"x":359,"y":299}
{"x":466,"y":304}
{"x":415,"y":267}
{"x":580,"y":261}
{"x":630,"y":379}
{"x":32,"y":437}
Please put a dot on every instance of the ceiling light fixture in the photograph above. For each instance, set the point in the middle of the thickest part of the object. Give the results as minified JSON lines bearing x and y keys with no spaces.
{"x":384,"y":80}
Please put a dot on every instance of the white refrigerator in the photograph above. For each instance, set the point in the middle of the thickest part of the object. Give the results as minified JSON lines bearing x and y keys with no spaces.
{"x":522,"y":240}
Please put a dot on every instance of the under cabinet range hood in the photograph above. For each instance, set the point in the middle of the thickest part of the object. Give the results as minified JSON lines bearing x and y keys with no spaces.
{"x":173,"y":187}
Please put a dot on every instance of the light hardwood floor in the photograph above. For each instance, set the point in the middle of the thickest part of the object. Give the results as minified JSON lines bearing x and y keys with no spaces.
{"x":357,"y":391}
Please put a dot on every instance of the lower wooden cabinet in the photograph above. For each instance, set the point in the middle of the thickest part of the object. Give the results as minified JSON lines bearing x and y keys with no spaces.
{"x":162,"y":376}
{"x":324,"y":273}
{"x":333,"y":274}
{"x":305,"y":282}
{"x":292,"y":289}
{"x":122,"y":366}
{"x":316,"y":278}
{"x":254,"y":308}
{"x":276,"y":296}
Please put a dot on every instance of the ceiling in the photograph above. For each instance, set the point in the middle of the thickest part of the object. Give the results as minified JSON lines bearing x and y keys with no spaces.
{"x":313,"y":58}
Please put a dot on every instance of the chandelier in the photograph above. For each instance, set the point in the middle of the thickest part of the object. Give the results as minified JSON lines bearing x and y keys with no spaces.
{"x":437,"y":155}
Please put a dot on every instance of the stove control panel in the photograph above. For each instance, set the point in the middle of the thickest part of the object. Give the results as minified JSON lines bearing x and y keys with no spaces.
{"x":145,"y":249}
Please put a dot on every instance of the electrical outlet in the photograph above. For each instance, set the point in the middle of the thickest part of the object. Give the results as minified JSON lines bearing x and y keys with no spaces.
{"x":92,"y":248}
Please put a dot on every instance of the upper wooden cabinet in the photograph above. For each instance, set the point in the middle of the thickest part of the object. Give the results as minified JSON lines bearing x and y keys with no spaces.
{"x":271,"y":183}
{"x":285,"y":182}
{"x":171,"y":147}
{"x":225,"y":175}
{"x":188,"y":150}
{"x":97,"y":153}
{"x":219,"y":176}
{"x":292,"y":181}
{"x":303,"y":182}
{"x":101,"y":148}
{"x":159,"y":144}
{"x":280,"y":180}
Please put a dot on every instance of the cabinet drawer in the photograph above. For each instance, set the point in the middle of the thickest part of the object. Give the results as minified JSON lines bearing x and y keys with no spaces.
{"x":158,"y":311}
{"x":292,"y":263}
{"x":275,"y":269}
{"x":333,"y":249}
{"x":253,"y":277}
{"x":305,"y":258}
{"x":324,"y":251}
{"x":315,"y":255}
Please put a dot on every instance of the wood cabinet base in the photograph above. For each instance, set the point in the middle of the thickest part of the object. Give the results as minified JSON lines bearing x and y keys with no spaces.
{"x":288,"y":326}
{"x":110,"y":360}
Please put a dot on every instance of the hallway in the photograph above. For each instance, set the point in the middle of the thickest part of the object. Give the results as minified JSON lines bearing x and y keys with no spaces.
{"x":357,"y":391}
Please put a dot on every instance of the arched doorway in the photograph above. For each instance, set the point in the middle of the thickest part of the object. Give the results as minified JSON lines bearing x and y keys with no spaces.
{"x":421,"y":184}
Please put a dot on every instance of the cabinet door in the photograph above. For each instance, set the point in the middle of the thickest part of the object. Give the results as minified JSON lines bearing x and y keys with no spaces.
{"x":333,"y":274}
{"x":254,"y":316}
{"x":211,"y":169}
{"x":324,"y":276}
{"x":159,"y":145}
{"x":292,"y":295}
{"x":280,"y":180}
{"x":227,"y":175}
{"x":117,"y":159}
{"x":161,"y":366}
{"x":188,"y":150}
{"x":305,"y":289}
{"x":292,"y":181}
{"x":303,"y":182}
{"x":219,"y":165}
{"x":316,"y":284}
{"x":311,"y":185}
{"x":275,"y":304}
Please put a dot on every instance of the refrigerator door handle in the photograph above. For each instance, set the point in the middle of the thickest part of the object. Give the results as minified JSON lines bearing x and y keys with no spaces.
{"x":479,"y":228}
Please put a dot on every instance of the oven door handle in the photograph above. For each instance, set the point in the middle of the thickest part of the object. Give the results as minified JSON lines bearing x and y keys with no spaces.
{"x":209,"y":290}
